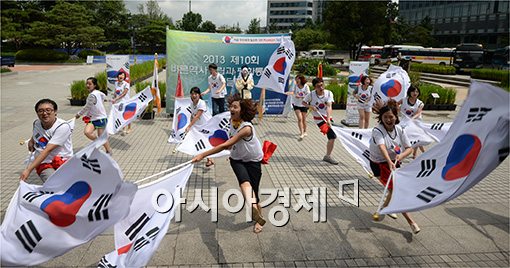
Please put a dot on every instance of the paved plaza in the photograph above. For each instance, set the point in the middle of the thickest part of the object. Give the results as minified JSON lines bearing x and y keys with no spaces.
{"x":472,"y":230}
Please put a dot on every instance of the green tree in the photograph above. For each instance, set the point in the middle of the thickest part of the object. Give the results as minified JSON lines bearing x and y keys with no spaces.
{"x":208,"y":27}
{"x":190,"y":22}
{"x":16,"y":19}
{"x":113,"y":17}
{"x":229,"y":29}
{"x":353,"y":24}
{"x":254,"y":26}
{"x":67,"y":25}
{"x":304,"y":38}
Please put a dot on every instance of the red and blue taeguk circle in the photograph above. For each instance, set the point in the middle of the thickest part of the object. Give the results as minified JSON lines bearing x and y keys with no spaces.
{"x":462,"y":157}
{"x":129,"y":111}
{"x":391,"y":88}
{"x":182,"y":121}
{"x":280,"y":65}
{"x":218,"y":137}
{"x":62,"y":208}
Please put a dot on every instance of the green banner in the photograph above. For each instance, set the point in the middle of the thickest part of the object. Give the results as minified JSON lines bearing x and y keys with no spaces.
{"x":192,"y":52}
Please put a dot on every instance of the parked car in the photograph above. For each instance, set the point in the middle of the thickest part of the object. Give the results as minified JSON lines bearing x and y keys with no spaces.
{"x":8,"y":60}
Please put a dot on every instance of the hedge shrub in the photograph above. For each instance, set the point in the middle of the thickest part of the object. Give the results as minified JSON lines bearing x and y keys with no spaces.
{"x":491,"y":74}
{"x":89,"y":52}
{"x":339,"y":92}
{"x":309,"y":67}
{"x":5,"y":70}
{"x":432,"y":68}
{"x":446,"y":95}
{"x":79,"y":90}
{"x":41,"y":54}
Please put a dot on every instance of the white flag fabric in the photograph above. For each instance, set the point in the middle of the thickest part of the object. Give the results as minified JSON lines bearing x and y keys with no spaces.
{"x":277,"y":71}
{"x":83,"y":198}
{"x":182,"y":118}
{"x":155,"y":86}
{"x":137,"y":237}
{"x":357,"y":143}
{"x":477,"y":142}
{"x":435,"y":130}
{"x":392,"y":84}
{"x":202,"y":138}
{"x":417,"y":136}
{"x":125,"y":112}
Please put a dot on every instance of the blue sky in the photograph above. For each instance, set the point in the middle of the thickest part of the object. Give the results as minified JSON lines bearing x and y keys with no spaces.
{"x":219,"y":12}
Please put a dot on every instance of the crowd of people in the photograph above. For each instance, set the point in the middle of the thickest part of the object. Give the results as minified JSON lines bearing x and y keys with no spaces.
{"x":51,"y":141}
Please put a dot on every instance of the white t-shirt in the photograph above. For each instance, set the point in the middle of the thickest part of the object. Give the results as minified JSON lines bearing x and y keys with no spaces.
{"x":364,"y":95}
{"x":94,"y":108}
{"x":119,"y":89}
{"x":216,"y":83}
{"x":201,"y":105}
{"x":247,"y":149}
{"x":299,"y":95}
{"x":410,"y":110}
{"x":320,"y":102}
{"x":392,"y":140}
{"x":60,"y":134}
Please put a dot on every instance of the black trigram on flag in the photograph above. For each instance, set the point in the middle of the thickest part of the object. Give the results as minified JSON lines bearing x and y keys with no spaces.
{"x":200,"y":145}
{"x":142,"y":97}
{"x":377,"y":96}
{"x":280,"y":50}
{"x":477,"y":114}
{"x":188,"y":109}
{"x":428,"y":194}
{"x":31,"y":196}
{"x":390,"y":75}
{"x":427,"y":167}
{"x":205,"y":131}
{"x":177,"y":111}
{"x":91,"y":164}
{"x":503,"y":153}
{"x":126,"y":64}
{"x":281,"y":80}
{"x":357,"y":135}
{"x":366,"y":154}
{"x":414,"y":142}
{"x":103,"y":263}
{"x":437,"y":126}
{"x":146,"y":239}
{"x":136,"y":227}
{"x":28,"y":236}
{"x":267,"y":73}
{"x":289,"y":54}
{"x":99,"y":210}
{"x":117,"y":123}
{"x":224,"y":124}
{"x":182,"y":135}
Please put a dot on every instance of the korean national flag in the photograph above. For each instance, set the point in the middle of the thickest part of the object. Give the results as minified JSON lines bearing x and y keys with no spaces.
{"x":137,"y":237}
{"x":83,"y":198}
{"x":357,"y":142}
{"x":392,"y":84}
{"x":182,"y":118}
{"x":202,"y":138}
{"x":275,"y":74}
{"x":123,"y":113}
{"x":477,"y":142}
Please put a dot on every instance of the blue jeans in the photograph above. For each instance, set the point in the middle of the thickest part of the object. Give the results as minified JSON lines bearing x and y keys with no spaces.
{"x":218,"y":105}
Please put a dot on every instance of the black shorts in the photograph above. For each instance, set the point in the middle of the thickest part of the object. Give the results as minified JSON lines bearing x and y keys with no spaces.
{"x":331,"y":134}
{"x":248,"y":171}
{"x":302,"y":109}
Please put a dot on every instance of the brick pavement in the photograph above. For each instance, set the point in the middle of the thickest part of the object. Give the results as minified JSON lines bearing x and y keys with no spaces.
{"x":471,"y":230}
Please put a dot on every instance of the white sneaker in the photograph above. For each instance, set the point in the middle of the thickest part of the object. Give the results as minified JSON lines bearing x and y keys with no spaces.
{"x":300,"y":138}
{"x":393,"y":216}
{"x":305,"y":134}
{"x":330,"y":160}
{"x":416,"y":229}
